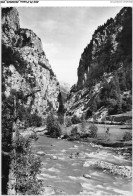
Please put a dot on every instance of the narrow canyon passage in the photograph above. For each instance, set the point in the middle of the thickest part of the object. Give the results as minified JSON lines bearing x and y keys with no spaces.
{"x":65,"y":170}
{"x":95,"y":106}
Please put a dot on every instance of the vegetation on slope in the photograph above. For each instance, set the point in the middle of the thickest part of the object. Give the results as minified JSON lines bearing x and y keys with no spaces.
{"x":107,"y":62}
{"x":25,"y":166}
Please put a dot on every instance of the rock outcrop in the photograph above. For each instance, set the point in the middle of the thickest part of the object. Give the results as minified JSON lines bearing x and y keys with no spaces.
{"x":125,"y":171}
{"x":104,"y":72}
{"x":25,"y":67}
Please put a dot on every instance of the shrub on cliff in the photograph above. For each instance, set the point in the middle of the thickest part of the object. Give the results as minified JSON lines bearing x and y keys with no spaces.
{"x":93,"y":131}
{"x":6,"y":131}
{"x":11,"y":111}
{"x":26,"y":167}
{"x":74,"y":131}
{"x":35,"y":120}
{"x":53,"y":126}
{"x":75,"y":120}
{"x":74,"y":134}
{"x":29,"y":119}
{"x":68,"y":122}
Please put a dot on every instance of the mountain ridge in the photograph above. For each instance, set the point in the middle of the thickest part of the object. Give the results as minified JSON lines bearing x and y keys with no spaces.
{"x":25,"y":66}
{"x":65,"y":89}
{"x":104,"y":71}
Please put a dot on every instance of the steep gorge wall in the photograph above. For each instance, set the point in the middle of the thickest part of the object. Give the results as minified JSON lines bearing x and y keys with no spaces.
{"x":25,"y":67}
{"x":101,"y":53}
{"x":105,"y":65}
{"x":29,"y":86}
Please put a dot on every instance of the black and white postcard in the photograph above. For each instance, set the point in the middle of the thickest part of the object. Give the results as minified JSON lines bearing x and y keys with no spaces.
{"x":66,"y":98}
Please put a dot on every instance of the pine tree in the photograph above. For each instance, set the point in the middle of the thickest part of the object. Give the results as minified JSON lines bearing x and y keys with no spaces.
{"x":83,"y":124}
{"x":61,"y":109}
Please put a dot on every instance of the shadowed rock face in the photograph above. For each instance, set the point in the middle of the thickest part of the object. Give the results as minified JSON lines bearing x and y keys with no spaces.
{"x":25,"y":66}
{"x":106,"y":60}
{"x":104,"y":42}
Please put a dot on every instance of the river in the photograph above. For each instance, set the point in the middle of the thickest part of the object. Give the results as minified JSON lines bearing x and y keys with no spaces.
{"x":64,"y":169}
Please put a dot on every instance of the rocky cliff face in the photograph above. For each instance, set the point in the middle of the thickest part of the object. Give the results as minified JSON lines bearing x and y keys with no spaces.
{"x":25,"y":67}
{"x":104,"y":65}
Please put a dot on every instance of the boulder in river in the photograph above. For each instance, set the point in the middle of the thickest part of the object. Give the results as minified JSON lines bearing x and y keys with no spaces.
{"x":54,"y":157}
{"x":87,"y":176}
{"x":75,"y":146}
{"x":40,"y":153}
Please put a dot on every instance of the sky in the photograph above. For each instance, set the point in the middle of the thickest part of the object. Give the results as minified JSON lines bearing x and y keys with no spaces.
{"x":65,"y":32}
